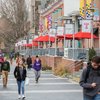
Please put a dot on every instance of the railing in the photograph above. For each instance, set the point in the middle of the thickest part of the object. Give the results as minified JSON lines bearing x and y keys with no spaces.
{"x":79,"y":53}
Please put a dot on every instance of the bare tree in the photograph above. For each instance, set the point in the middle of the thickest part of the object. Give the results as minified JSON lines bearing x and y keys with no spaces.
{"x":15,"y":12}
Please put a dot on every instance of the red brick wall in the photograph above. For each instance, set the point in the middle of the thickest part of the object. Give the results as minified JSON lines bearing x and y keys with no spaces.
{"x":56,"y":62}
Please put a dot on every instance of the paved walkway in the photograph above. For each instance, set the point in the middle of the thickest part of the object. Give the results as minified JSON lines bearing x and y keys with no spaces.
{"x":49,"y":87}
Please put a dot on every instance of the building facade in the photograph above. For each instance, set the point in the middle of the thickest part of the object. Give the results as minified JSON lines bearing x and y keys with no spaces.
{"x":90,"y":10}
{"x":55,"y":10}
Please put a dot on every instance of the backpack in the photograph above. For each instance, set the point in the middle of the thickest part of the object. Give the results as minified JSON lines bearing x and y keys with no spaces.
{"x":89,"y":67}
{"x":87,"y":73}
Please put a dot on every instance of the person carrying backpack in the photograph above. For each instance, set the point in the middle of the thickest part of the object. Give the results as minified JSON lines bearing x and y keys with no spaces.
{"x":5,"y":70}
{"x":37,"y":68}
{"x":90,"y":80}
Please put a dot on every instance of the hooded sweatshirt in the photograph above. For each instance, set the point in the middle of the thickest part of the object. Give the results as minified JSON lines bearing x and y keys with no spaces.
{"x":37,"y":65}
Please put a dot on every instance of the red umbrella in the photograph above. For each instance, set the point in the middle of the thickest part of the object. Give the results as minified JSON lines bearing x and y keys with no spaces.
{"x":28,"y":45}
{"x":35,"y":44}
{"x":84,"y":35}
{"x":46,"y":38}
{"x":67,"y":36}
{"x":37,"y":39}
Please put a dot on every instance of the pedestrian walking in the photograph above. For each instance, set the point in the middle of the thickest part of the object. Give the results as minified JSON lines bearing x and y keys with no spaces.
{"x":1,"y":61}
{"x":37,"y":68}
{"x":20,"y":74}
{"x":18,"y":59}
{"x":5,"y":70}
{"x":23,"y":59}
{"x":11,"y":56}
{"x":90,"y":80}
{"x":29,"y":62}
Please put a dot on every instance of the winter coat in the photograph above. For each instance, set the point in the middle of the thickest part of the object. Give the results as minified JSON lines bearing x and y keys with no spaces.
{"x":94,"y":77}
{"x":17,"y":74}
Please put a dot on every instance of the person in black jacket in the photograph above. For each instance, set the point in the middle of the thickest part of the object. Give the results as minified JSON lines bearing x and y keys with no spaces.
{"x":20,"y":74}
{"x":90,"y":80}
{"x":29,"y":62}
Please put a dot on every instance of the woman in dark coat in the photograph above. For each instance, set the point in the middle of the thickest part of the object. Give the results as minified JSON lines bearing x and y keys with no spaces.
{"x":20,"y":74}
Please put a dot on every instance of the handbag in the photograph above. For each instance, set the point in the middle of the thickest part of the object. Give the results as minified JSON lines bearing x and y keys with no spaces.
{"x":27,"y":80}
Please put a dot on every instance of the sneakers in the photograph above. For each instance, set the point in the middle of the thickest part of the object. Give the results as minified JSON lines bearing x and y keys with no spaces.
{"x":19,"y":97}
{"x":36,"y":80}
{"x":23,"y":97}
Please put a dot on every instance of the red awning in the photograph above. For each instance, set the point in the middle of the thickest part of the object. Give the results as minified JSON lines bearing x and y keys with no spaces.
{"x":46,"y":38}
{"x":84,"y":35}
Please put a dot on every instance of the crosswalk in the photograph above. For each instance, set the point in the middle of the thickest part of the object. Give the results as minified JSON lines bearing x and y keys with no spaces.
{"x":50,"y":87}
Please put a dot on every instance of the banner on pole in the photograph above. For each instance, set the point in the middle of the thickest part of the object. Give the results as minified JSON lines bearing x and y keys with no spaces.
{"x":60,"y":30}
{"x":69,"y":28}
{"x":52,"y":32}
{"x":86,"y":25}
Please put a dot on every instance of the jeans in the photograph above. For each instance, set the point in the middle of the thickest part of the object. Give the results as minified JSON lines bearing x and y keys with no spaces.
{"x":97,"y":97}
{"x":87,"y":97}
{"x":21,"y":85}
{"x":37,"y":75}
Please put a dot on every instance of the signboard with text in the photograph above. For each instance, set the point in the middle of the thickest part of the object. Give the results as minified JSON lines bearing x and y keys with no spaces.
{"x":52,"y":32}
{"x":60,"y":30}
{"x":86,"y":25}
{"x":69,"y":28}
{"x":66,"y":52}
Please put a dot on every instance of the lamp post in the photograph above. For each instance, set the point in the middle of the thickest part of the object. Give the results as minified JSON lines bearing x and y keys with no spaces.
{"x":92,"y":15}
{"x":68,"y":20}
{"x":73,"y":20}
{"x":64,"y":35}
{"x":56,"y":24}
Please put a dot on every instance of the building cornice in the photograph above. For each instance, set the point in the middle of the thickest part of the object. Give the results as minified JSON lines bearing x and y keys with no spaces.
{"x":51,"y":8}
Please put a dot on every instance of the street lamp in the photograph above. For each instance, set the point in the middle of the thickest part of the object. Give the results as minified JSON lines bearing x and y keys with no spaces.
{"x":65,"y":21}
{"x":92,"y":15}
{"x":73,"y":20}
{"x":56,"y":25}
